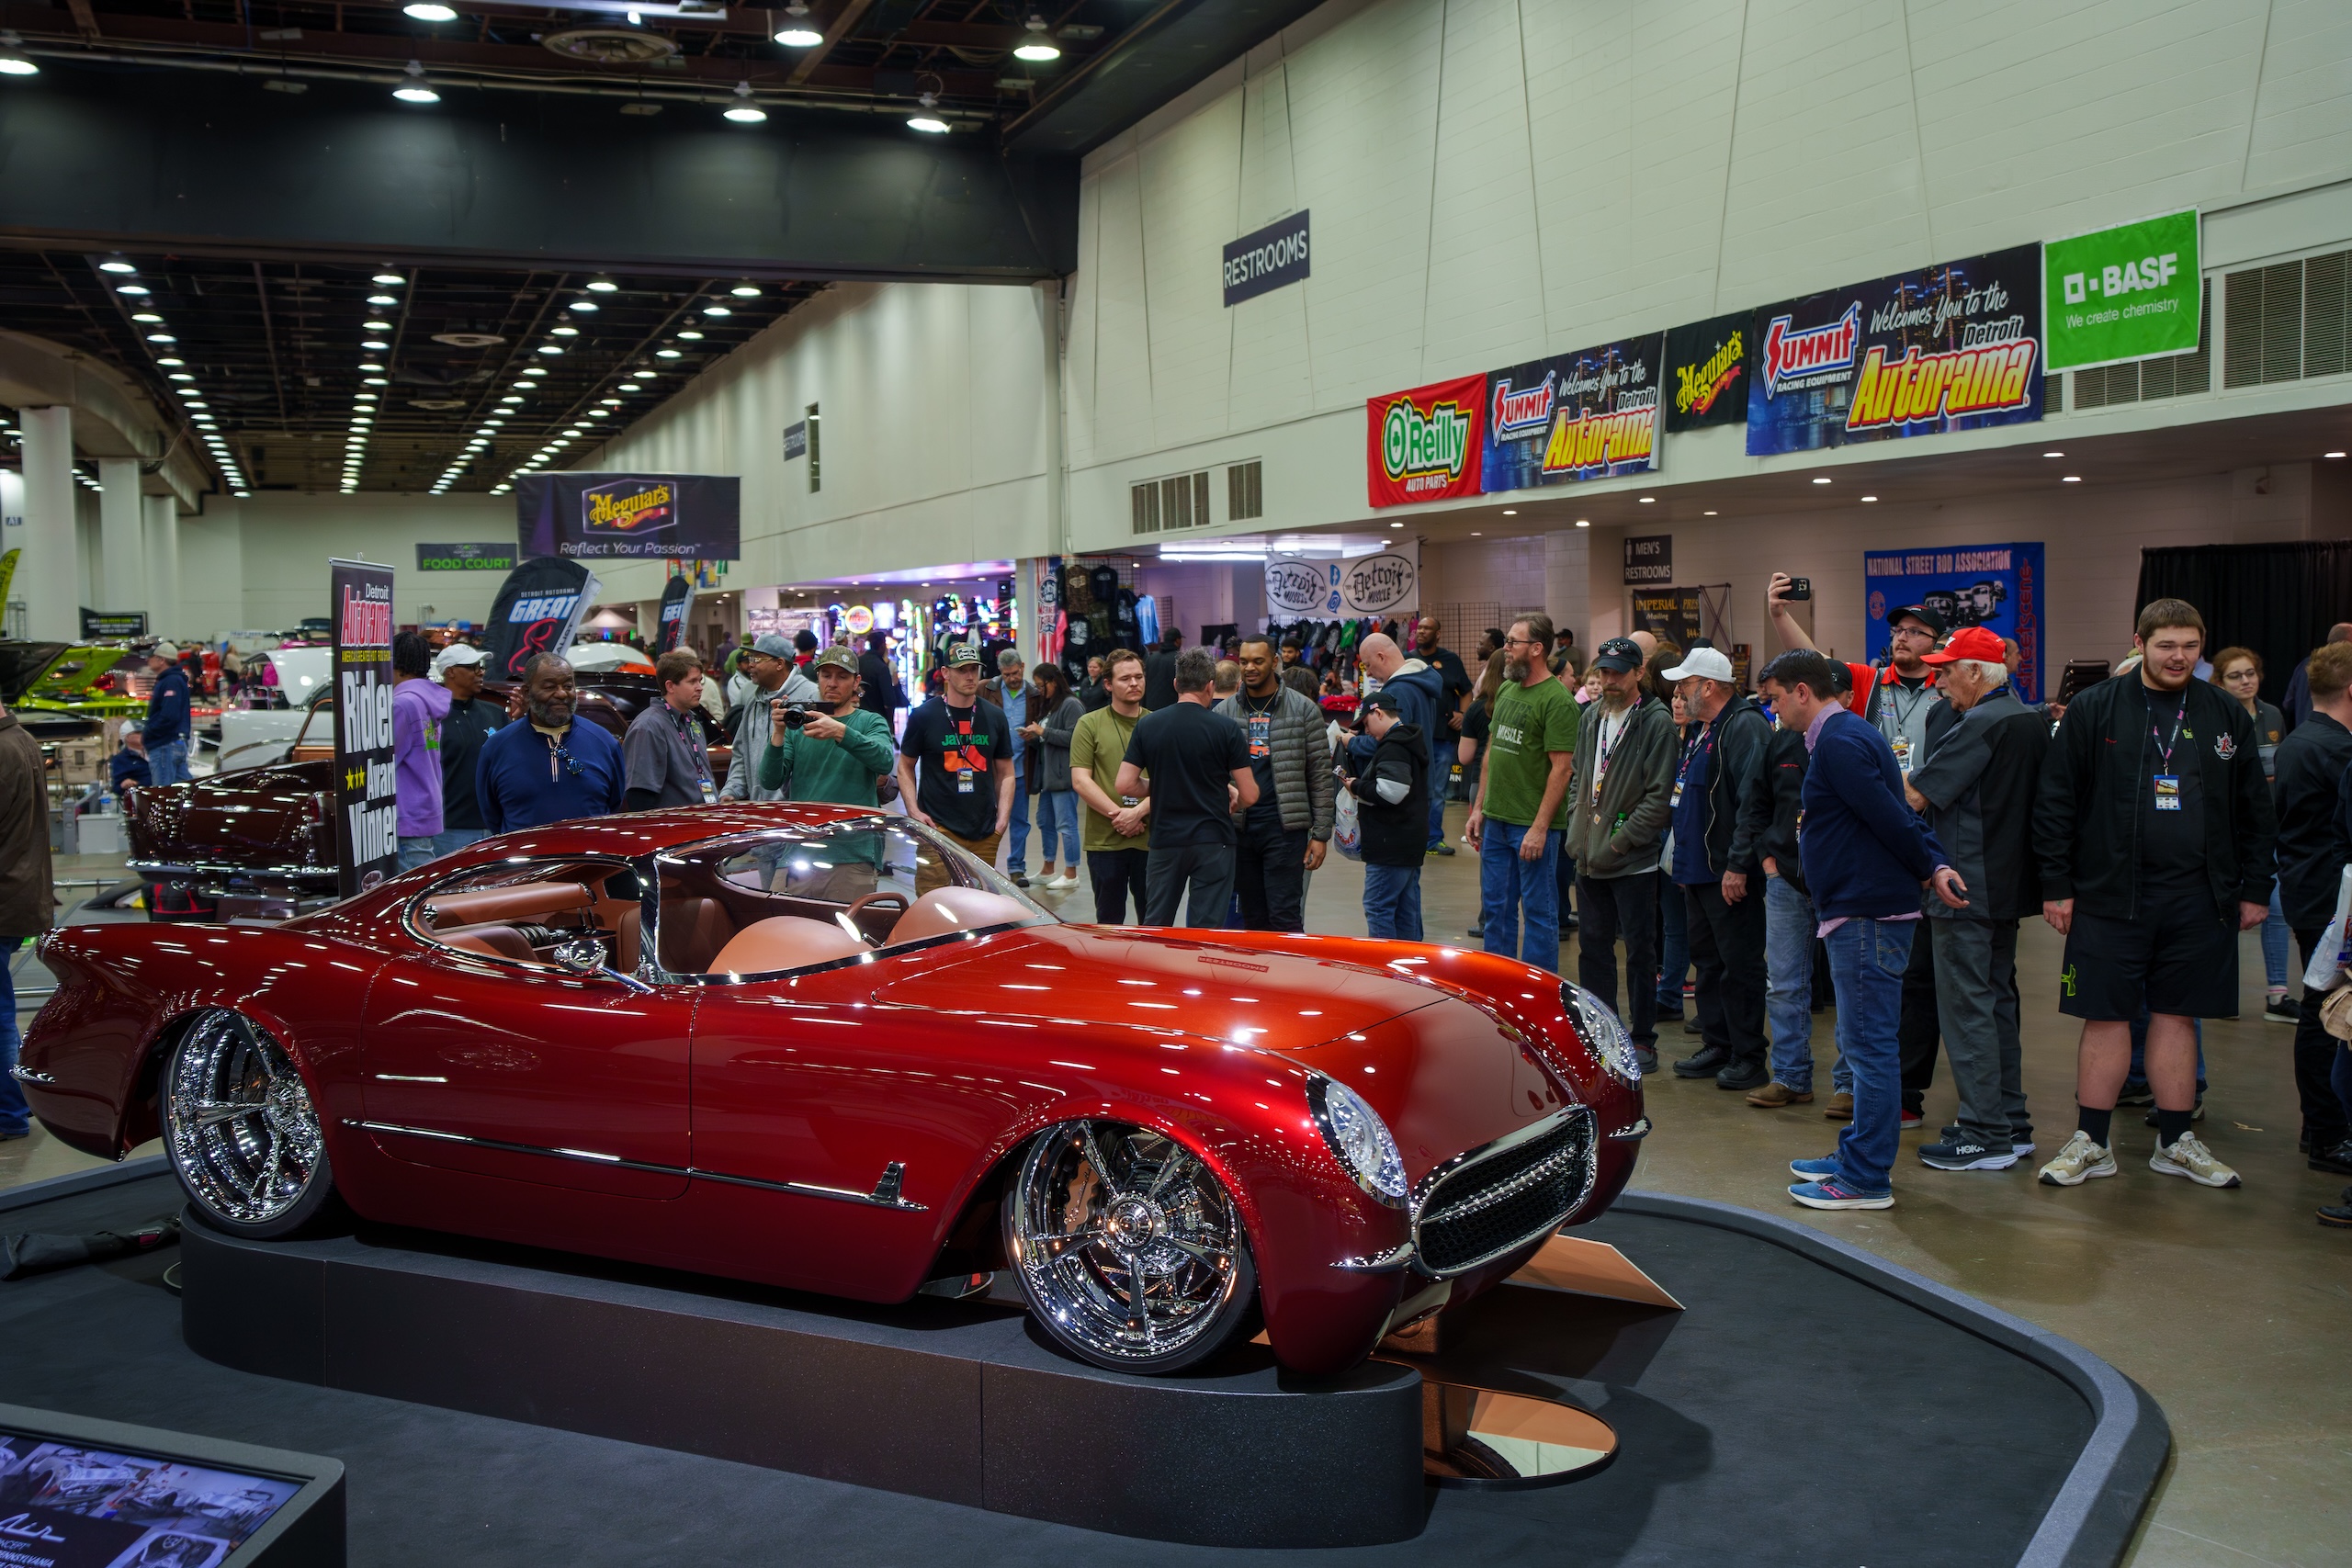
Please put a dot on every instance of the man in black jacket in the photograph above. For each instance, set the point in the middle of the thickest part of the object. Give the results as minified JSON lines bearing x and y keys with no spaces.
{"x":1976,"y":788}
{"x":1392,"y":806}
{"x":2156,"y":832}
{"x":1159,"y":674}
{"x":2314,"y":844}
{"x":1727,"y":935}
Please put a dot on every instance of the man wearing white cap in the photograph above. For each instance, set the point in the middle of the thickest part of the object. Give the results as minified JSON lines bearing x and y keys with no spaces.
{"x":471,"y":721}
{"x":1726,"y":931}
{"x":166,"y":726}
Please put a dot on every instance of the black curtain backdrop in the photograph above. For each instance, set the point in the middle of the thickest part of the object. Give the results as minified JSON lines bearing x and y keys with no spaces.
{"x":2277,"y":600}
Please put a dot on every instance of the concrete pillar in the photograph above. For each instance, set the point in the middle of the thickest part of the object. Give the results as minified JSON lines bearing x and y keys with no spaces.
{"x":163,"y":562}
{"x":122,"y":544}
{"x":47,"y":578}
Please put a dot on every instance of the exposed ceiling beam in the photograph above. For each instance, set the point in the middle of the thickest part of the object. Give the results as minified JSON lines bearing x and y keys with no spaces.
{"x":844,"y":23}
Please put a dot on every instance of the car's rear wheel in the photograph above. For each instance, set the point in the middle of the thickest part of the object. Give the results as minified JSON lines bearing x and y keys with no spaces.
{"x":1129,"y":1248}
{"x":240,"y":1129}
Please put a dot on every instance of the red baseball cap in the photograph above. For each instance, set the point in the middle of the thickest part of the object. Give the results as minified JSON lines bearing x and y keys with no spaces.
{"x":1971,"y":642}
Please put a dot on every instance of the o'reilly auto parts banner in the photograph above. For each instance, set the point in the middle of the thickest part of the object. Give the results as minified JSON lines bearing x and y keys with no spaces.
{"x":1706,"y":373}
{"x":677,"y":598}
{"x":1587,"y":416}
{"x":630,"y":516}
{"x":369,"y":849}
{"x":1424,"y":445}
{"x":538,"y":609}
{"x":1951,"y":347}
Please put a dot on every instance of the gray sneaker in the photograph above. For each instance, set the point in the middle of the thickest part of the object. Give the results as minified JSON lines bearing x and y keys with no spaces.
{"x":2021,"y":1144}
{"x":2078,"y":1162}
{"x":2192,"y":1160}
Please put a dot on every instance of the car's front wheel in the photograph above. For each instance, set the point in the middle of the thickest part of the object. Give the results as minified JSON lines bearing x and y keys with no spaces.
{"x":1129,"y":1248}
{"x":240,"y":1129}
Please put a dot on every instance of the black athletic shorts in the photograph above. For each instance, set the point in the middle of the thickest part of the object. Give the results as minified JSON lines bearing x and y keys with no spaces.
{"x":2179,"y":957}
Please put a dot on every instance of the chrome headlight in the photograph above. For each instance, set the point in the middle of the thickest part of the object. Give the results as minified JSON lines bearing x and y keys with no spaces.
{"x":1359,"y":1137}
{"x":1611,"y":1046}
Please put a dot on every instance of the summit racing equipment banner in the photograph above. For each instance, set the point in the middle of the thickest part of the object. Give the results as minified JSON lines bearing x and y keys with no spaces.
{"x":1424,"y":445}
{"x":624,"y":516}
{"x":2129,"y":292}
{"x":538,"y":609}
{"x":1996,"y":586}
{"x":1951,"y":347}
{"x":1587,"y":416}
{"x":367,"y":848}
{"x":1706,"y":373}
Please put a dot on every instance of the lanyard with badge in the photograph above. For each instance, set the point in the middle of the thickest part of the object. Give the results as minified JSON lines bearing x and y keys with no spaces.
{"x":963,"y":757}
{"x":686,"y":739}
{"x":1706,"y":740}
{"x":1606,"y":747}
{"x":2169,"y":783}
{"x":1901,"y":742}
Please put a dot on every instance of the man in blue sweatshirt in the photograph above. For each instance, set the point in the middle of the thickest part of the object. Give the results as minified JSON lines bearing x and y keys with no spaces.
{"x":1866,"y":857}
{"x":167,"y":714}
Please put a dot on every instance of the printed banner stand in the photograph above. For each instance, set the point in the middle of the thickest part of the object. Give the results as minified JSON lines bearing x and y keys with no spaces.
{"x":536,"y":611}
{"x":677,"y":602}
{"x":369,"y":849}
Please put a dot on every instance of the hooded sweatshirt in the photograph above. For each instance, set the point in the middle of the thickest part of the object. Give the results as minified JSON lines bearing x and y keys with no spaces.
{"x":418,"y":708}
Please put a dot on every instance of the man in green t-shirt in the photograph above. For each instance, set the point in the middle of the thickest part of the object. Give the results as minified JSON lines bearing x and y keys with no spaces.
{"x":1118,"y":829}
{"x":1522,"y":804}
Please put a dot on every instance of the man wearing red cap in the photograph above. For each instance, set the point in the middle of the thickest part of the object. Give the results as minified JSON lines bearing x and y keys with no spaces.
{"x":1975,"y":785}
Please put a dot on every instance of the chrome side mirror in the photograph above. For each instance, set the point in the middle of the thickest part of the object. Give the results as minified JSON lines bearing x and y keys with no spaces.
{"x":582,"y":955}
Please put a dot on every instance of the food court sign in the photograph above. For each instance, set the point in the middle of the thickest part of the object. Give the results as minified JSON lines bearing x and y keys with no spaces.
{"x":2129,"y":292}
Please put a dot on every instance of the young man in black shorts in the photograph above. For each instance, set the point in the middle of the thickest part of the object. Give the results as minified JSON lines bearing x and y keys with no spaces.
{"x":2154,"y":829}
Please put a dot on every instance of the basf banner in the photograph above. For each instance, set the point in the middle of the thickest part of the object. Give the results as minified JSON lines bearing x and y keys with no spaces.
{"x":2129,"y":292}
{"x":1387,"y":583}
{"x":538,"y":609}
{"x":1424,"y":445}
{"x":1587,"y":416}
{"x":1951,"y":347}
{"x":368,"y":844}
{"x":629,"y":516}
{"x":1706,"y":373}
{"x":1998,"y":586}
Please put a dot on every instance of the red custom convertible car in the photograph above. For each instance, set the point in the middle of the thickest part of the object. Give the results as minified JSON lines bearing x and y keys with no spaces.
{"x":824,"y":1048}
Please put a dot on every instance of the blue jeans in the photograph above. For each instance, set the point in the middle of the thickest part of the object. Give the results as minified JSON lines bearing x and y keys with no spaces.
{"x":2274,"y":944}
{"x":1016,"y":857}
{"x":449,"y":841}
{"x":1788,"y":982}
{"x":1437,"y":801}
{"x":1057,"y":812}
{"x":415,"y":850}
{"x":1674,"y":951}
{"x":1865,"y":963}
{"x":16,"y":1116}
{"x":1510,"y":888}
{"x":1392,"y":902}
{"x":167,"y":762}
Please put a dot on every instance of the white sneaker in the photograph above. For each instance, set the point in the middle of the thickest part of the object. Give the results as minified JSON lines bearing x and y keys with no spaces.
{"x":1065,"y":882}
{"x":2192,"y":1160}
{"x":2078,"y":1162}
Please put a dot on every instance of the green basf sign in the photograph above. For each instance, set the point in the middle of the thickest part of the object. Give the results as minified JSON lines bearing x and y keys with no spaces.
{"x":2129,"y":292}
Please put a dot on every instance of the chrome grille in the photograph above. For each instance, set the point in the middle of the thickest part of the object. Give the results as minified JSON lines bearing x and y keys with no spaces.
{"x":1484,"y":1203}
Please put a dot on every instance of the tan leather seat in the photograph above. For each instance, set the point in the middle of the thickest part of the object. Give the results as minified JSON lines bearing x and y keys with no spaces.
{"x":627,"y":938}
{"x":784,"y":941}
{"x":489,"y":940}
{"x":945,"y":909}
{"x":691,"y":932}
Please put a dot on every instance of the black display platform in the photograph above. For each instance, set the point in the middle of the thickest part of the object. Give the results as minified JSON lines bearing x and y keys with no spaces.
{"x":1799,"y":1413}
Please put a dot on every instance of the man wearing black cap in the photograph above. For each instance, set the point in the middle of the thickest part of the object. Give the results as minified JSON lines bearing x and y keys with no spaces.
{"x":956,"y":759}
{"x":1625,"y":774}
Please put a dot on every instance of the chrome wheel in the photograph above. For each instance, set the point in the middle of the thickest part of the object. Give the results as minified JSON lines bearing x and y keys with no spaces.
{"x":239,"y":1127}
{"x":1129,"y":1248}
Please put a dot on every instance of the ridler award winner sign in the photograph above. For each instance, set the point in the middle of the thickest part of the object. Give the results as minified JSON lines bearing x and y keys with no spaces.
{"x":369,"y":846}
{"x":1948,"y":348}
{"x":629,"y":516}
{"x":1587,"y":416}
{"x":1424,"y":445}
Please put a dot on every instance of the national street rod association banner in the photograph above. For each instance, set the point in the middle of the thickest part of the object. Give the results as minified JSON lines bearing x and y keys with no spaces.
{"x":588,"y":517}
{"x":2000,"y":587}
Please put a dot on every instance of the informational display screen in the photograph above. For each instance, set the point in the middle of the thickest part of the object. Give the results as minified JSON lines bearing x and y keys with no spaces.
{"x":368,"y":849}
{"x":113,"y":625}
{"x":66,"y":1506}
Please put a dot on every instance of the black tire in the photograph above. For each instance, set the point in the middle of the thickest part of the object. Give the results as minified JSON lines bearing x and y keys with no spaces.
{"x":239,"y":1127}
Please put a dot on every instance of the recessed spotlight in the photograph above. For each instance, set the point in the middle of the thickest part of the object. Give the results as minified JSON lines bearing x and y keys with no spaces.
{"x":1649,"y":501}
{"x":2071,"y":480}
{"x":1510,"y":512}
{"x":1819,"y":481}
{"x":2331,"y":454}
{"x":2053,"y":454}
{"x":1475,"y":535}
{"x":1706,"y":515}
{"x":1870,"y":498}
{"x":1583,"y":523}
{"x":118,"y":268}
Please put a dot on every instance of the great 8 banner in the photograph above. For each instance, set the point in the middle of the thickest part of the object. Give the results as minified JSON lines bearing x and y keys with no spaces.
{"x":1424,"y":445}
{"x":367,"y":848}
{"x":1592,"y":414}
{"x":1951,"y":347}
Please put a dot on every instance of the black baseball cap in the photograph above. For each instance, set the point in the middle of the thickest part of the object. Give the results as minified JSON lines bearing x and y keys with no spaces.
{"x":1384,"y":700}
{"x":1618,"y":655}
{"x":1921,"y":614}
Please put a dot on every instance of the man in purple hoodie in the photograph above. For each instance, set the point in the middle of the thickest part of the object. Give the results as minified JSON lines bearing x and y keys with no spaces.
{"x":418,"y":708}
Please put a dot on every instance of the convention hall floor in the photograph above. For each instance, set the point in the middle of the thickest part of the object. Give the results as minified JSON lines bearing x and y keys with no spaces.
{"x":2231,"y":1307}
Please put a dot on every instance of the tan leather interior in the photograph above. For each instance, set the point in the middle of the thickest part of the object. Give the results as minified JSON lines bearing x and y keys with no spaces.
{"x":693,"y":930}
{"x":784,"y":941}
{"x":489,"y":940}
{"x":629,"y":938}
{"x":486,"y":905}
{"x":945,"y":909}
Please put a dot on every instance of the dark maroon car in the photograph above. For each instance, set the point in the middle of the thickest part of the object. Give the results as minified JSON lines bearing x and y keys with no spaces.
{"x":260,"y":844}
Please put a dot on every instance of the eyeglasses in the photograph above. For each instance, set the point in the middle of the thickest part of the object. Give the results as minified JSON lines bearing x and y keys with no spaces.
{"x":1521,"y":642}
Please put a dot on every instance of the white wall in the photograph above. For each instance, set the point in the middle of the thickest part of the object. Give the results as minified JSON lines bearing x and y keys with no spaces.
{"x":262,"y":563}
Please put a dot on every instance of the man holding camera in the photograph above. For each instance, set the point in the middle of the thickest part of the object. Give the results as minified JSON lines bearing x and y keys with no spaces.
{"x":769,"y":680}
{"x":833,"y":752}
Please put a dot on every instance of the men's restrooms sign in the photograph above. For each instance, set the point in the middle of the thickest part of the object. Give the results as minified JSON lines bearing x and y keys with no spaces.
{"x":1592,"y":414}
{"x":1425,"y":444}
{"x":368,"y":849}
{"x":629,"y":516}
{"x":1951,"y":347}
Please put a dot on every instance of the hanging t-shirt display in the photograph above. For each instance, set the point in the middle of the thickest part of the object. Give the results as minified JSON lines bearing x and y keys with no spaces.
{"x":1126,"y":627}
{"x":1103,"y":583}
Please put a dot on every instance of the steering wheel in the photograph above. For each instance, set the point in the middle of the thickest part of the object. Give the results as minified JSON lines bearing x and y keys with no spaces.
{"x":858,"y":905}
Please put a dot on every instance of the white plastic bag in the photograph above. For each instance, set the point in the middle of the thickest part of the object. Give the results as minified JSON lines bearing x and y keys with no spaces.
{"x":2328,"y":958}
{"x":1347,"y":829}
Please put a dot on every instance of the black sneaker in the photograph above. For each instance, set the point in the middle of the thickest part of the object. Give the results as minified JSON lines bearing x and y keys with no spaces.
{"x":2282,"y":1010}
{"x":1647,"y":1055}
{"x":2021,"y":1144}
{"x":1478,"y":933}
{"x":1965,"y":1154}
{"x":1019,"y":879}
{"x":2135,"y":1092}
{"x":1439,"y":847}
{"x":2196,"y":1116}
{"x":1710,"y":1061}
{"x":1752,"y":1076}
{"x":2337,"y":1219}
{"x":1691,"y":1026}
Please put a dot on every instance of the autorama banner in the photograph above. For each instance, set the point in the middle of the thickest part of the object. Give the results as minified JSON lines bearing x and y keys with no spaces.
{"x":1592,"y":414}
{"x":1950,"y":347}
{"x":1424,"y":445}
{"x":368,"y":847}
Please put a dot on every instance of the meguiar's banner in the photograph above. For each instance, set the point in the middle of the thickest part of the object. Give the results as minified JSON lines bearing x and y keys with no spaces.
{"x":368,"y":847}
{"x":677,"y":598}
{"x":2129,"y":292}
{"x":1996,"y":586}
{"x":1706,"y":373}
{"x":538,"y":609}
{"x":1424,"y":445}
{"x":1592,"y":414}
{"x":623,"y":516}
{"x":1950,"y":347}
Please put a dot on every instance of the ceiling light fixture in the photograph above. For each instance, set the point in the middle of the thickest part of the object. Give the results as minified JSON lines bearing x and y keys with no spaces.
{"x":1706,"y":515}
{"x":1870,"y":498}
{"x":415,"y":90}
{"x":2053,"y":454}
{"x":691,"y":336}
{"x":798,"y":31}
{"x":429,"y":11}
{"x":376,"y":326}
{"x":383,"y":299}
{"x":390,"y":280}
{"x":170,"y":362}
{"x":1037,"y":45}
{"x":1649,"y":499}
{"x":146,"y":318}
{"x":926,"y":118}
{"x":131,"y":288}
{"x":584,"y":305}
{"x":1584,"y":523}
{"x":375,"y":345}
{"x":2331,"y":454}
{"x":601,"y":285}
{"x":565,"y":331}
{"x":117,"y":267}
{"x":2071,"y":480}
{"x":1820,"y":480}
{"x":665,"y":354}
{"x":161,"y":337}
{"x":744,"y":111}
{"x":717,"y":310}
{"x":745,"y":291}
{"x":13,"y":61}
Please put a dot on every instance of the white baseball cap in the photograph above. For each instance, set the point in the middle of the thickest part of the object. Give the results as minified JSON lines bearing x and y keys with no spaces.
{"x":1707,"y":662}
{"x":455,"y":654}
